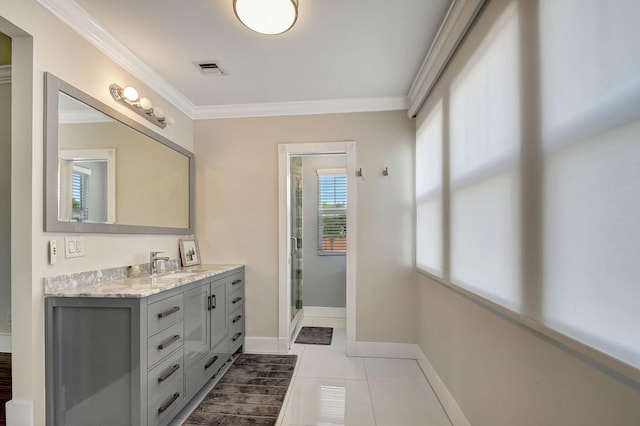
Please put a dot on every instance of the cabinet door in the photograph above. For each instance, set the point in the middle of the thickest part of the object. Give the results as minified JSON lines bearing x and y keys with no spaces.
{"x":196,"y":324}
{"x":218,"y":312}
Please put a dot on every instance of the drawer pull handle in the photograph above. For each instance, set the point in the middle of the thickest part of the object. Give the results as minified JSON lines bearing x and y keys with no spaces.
{"x":236,"y":282}
{"x":169,"y":342}
{"x":236,"y":319}
{"x":166,"y":376}
{"x":236,"y":300}
{"x":236,"y":336}
{"x":166,"y":406}
{"x":210,"y":363}
{"x":211,"y":302}
{"x":169,"y":312}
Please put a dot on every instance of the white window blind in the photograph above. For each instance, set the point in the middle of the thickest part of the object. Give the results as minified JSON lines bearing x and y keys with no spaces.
{"x":484,"y":147}
{"x":541,"y":160}
{"x":591,"y":132}
{"x":332,"y":211}
{"x":429,"y":192}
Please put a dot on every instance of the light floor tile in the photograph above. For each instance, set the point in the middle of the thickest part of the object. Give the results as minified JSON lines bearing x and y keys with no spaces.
{"x":328,"y":402}
{"x":326,"y":363}
{"x":393,"y":369}
{"x":407,"y":403}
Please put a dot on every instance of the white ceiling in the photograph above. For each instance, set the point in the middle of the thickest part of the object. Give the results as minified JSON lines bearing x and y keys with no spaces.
{"x":363,"y":52}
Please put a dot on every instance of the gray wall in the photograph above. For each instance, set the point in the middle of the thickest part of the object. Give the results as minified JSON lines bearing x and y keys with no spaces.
{"x":5,"y":206}
{"x":324,"y":277}
{"x":237,"y":211}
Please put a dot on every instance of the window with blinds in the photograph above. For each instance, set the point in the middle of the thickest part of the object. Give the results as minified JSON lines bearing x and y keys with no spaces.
{"x":527,"y":176}
{"x":80,"y":193}
{"x":332,"y":211}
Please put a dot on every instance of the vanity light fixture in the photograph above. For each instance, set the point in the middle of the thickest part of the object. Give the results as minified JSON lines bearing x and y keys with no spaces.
{"x":129,"y":97}
{"x":267,"y":16}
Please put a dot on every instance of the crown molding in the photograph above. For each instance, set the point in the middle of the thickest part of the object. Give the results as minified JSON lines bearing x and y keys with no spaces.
{"x":456,"y":24}
{"x":5,"y":74}
{"x":332,"y":106}
{"x":84,"y":24}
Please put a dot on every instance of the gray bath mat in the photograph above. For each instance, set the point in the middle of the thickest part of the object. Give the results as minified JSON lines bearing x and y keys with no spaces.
{"x":315,"y":335}
{"x":251,"y":392}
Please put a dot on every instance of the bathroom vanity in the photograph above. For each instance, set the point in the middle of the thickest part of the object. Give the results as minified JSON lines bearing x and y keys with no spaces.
{"x":134,"y":351}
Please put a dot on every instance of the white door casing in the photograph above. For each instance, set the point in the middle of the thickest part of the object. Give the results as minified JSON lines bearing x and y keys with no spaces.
{"x":348,"y":148}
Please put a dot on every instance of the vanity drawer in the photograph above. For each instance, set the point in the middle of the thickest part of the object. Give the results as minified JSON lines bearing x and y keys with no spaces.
{"x":235,"y":301}
{"x":161,"y":376}
{"x":166,"y":405}
{"x":164,"y":343}
{"x":236,"y":323}
{"x":236,"y":340}
{"x":235,"y":283}
{"x":205,"y":368}
{"x":163,"y":313}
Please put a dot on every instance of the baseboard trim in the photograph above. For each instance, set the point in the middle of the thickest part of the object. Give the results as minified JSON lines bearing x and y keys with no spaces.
{"x":5,"y":343}
{"x":261,"y":345}
{"x":449,"y":404}
{"x":324,"y":312}
{"x":19,"y":413}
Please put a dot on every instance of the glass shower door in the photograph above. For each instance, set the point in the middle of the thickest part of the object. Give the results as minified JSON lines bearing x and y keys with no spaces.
{"x":296,"y":241}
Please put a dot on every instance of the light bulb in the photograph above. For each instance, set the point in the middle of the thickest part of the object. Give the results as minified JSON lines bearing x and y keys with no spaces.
{"x":158,"y":113}
{"x":267,"y":17}
{"x":130,"y":93}
{"x":145,"y":104}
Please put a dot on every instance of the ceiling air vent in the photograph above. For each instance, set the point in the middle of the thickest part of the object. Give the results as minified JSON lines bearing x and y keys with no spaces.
{"x":209,"y":68}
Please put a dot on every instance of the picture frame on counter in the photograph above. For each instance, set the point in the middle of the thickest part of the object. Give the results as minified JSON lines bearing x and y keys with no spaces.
{"x":189,"y":252}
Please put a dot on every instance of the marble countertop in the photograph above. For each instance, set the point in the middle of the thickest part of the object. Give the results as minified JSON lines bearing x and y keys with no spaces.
{"x":144,"y":285}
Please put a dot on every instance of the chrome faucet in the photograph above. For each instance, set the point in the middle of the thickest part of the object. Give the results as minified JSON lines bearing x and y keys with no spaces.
{"x":153,"y":261}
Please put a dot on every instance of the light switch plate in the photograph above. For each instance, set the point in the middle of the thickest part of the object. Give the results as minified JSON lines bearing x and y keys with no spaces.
{"x":53,"y":252}
{"x":73,"y":247}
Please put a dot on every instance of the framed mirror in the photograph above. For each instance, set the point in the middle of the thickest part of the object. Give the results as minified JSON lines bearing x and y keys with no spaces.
{"x":106,"y":173}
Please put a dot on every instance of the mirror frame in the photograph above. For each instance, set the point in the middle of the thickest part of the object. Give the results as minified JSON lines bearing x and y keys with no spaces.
{"x":52,"y":87}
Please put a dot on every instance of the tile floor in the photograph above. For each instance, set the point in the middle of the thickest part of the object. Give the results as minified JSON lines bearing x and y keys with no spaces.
{"x":329,"y":388}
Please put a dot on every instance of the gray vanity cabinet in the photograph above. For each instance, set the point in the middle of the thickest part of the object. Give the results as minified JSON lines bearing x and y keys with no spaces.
{"x":96,"y":353}
{"x":138,"y":360}
{"x":235,"y":309}
{"x":205,"y":328}
{"x":212,"y":335}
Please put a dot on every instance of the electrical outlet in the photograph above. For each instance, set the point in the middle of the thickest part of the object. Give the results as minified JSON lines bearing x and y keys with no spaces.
{"x":73,"y":247}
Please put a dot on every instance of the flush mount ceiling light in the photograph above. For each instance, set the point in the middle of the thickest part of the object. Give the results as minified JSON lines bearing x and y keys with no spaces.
{"x":267,"y":16}
{"x":129,"y":97}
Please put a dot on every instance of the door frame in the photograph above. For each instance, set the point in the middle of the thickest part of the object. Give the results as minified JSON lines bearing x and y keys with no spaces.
{"x":285,"y":151}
